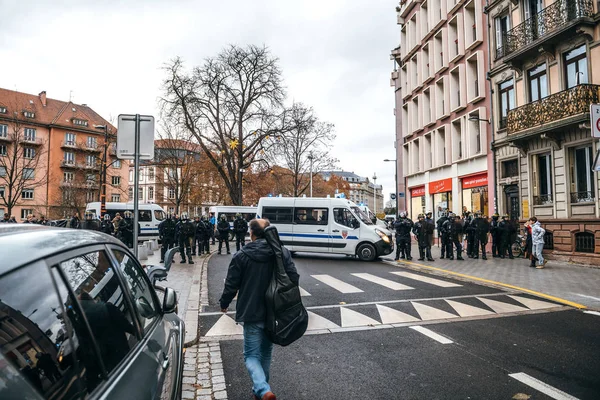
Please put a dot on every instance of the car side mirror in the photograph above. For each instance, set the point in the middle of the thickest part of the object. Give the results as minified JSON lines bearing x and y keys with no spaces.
{"x":169,"y":301}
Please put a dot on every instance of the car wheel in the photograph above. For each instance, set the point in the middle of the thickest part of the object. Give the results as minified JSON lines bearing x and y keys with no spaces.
{"x":366,"y":252}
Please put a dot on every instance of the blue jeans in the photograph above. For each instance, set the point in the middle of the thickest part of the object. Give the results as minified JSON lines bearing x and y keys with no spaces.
{"x":257,"y":356}
{"x":537,"y":252}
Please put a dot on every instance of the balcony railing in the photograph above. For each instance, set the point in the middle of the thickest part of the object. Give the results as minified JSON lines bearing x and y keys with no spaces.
{"x":552,"y":108}
{"x":582,"y":197}
{"x":550,"y":19}
{"x":542,"y":200}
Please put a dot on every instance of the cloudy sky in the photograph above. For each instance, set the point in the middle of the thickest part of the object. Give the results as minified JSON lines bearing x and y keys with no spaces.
{"x":108,"y":54}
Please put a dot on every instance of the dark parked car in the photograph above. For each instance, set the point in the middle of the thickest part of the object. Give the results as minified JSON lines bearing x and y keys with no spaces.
{"x":79,"y":318}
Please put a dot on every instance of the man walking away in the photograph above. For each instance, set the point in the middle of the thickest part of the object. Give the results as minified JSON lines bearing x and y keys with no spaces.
{"x":195,"y":238}
{"x":537,"y":240}
{"x":166,"y":233}
{"x":429,"y":228}
{"x":495,"y":236}
{"x":403,"y":227}
{"x":249,"y":275}
{"x":208,"y":230}
{"x":224,"y":229}
{"x":240,"y":227}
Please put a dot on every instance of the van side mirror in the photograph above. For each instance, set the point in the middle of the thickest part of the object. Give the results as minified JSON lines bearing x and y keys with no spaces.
{"x":169,"y":301}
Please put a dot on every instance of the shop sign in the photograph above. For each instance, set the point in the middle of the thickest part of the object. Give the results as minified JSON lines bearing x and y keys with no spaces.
{"x":445,"y":185}
{"x":417,"y":192}
{"x":475,"y":181}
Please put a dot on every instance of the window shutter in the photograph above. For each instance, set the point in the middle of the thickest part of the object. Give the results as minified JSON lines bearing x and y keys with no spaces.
{"x":534,"y":175}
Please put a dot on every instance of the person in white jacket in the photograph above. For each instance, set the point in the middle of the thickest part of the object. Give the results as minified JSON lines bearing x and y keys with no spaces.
{"x":537,"y":239}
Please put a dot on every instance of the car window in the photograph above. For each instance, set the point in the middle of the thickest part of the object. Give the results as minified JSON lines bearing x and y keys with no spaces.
{"x":278,"y":215}
{"x":159,"y":215}
{"x":141,"y":291}
{"x":102,"y":301}
{"x":311,"y":216}
{"x":145,"y":216}
{"x":343,"y":216}
{"x":36,"y":335}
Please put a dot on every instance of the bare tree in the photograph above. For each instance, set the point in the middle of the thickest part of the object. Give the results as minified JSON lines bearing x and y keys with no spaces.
{"x":232,"y":106}
{"x":307,"y":142}
{"x":20,"y":154}
{"x":178,"y":158}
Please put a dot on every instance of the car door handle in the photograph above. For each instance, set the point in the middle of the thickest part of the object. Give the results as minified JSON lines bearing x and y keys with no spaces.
{"x":320,"y":230}
{"x":166,"y":361}
{"x":335,"y":230}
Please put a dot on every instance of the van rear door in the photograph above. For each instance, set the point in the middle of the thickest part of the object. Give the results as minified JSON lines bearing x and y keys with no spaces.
{"x":310,"y":228}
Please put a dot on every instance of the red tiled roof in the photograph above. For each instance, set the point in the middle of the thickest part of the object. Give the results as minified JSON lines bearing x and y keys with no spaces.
{"x":55,"y":112}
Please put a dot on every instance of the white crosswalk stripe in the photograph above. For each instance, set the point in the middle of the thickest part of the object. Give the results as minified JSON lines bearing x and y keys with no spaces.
{"x":465,"y":310}
{"x":390,"y":316}
{"x":337,"y":284}
{"x":383,"y":282}
{"x":304,"y":293}
{"x":428,"y":313}
{"x":533,"y":304}
{"x":354,"y":318}
{"x":501,"y":307}
{"x":426,"y":279}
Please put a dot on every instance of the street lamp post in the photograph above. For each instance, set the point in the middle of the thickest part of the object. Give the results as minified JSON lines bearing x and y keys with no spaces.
{"x":396,"y":180}
{"x":375,"y":194}
{"x":310,"y":157}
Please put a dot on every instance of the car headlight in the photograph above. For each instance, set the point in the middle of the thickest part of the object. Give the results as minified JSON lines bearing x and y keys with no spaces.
{"x":383,"y":236}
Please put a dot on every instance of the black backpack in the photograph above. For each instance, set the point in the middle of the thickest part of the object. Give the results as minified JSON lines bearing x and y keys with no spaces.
{"x":286,"y":319}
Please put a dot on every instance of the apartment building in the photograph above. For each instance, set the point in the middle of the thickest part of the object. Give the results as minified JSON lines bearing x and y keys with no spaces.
{"x":442,"y":106}
{"x":542,"y":75}
{"x":51,"y":156}
{"x":362,"y":191}
{"x":179,"y":179}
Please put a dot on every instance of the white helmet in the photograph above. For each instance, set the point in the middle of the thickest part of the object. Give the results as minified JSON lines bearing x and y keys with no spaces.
{"x":184,"y":216}
{"x":402,"y":214}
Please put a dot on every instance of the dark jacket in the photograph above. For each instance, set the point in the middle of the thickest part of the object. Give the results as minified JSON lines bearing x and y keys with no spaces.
{"x":224,"y":229}
{"x":240,"y":226}
{"x":249,"y":275}
{"x":75,"y":223}
{"x":403,"y":227}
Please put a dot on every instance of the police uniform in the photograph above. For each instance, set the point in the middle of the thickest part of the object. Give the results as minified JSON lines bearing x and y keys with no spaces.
{"x":403,"y":226}
{"x":187,"y":232}
{"x":166,"y":232}
{"x":224,"y":229}
{"x":240,"y":227}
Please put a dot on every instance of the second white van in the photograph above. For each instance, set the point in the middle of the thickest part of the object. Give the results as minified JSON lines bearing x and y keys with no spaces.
{"x":150,"y":215}
{"x":325,"y":225}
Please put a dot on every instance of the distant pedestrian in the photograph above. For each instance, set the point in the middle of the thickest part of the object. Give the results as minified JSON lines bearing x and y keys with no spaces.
{"x":29,"y":219}
{"x":537,"y":240}
{"x":443,"y":217}
{"x":106,"y":226}
{"x":249,"y":276}
{"x":456,"y":233}
{"x":75,"y":222}
{"x":5,"y":219}
{"x":213,"y":223}
{"x":482,"y":228}
{"x":529,"y":243}
{"x":166,"y":232}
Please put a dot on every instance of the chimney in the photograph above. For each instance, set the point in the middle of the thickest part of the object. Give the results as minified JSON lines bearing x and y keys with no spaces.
{"x":43,"y":98}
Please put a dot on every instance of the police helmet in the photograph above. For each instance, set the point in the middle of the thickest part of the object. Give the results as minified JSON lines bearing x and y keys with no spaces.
{"x":107,"y":217}
{"x":89,"y":215}
{"x":184,"y":216}
{"x":238,"y":215}
{"x":451,"y":215}
{"x":128,"y":214}
{"x":429,"y":213}
{"x":496,"y":215}
{"x":420,"y":216}
{"x":403,"y":214}
{"x":223,"y":218}
{"x":505,"y":216}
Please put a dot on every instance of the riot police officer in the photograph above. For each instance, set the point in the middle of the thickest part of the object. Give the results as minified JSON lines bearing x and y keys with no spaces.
{"x":445,"y":231}
{"x":504,"y":232}
{"x":224,"y":229}
{"x":469,"y":229}
{"x":90,"y":223}
{"x":403,"y":227}
{"x":439,"y":226}
{"x":166,"y":233}
{"x":187,"y":232}
{"x":456,"y":231}
{"x":240,"y":227}
{"x":126,"y":229}
{"x":495,"y":235}
{"x":429,"y":229}
{"x":482,"y":228}
{"x":195,"y":222}
{"x":203,"y":236}
{"x":419,"y":231}
{"x":106,"y":226}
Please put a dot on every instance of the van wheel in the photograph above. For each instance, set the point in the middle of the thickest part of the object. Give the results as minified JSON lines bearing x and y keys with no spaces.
{"x":366,"y":252}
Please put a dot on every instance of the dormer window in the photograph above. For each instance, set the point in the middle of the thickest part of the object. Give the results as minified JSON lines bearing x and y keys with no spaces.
{"x":80,"y":122}
{"x":29,"y":114}
{"x":3,"y":110}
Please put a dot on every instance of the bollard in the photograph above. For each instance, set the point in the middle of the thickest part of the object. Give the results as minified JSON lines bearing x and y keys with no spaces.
{"x":148,"y":245}
{"x":142,"y":253}
{"x":154,"y":244}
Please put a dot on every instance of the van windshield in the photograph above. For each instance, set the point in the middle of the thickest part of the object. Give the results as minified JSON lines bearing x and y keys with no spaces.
{"x":361,"y":214}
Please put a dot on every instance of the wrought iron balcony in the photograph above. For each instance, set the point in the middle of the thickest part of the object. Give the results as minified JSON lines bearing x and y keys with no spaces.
{"x":582,"y":197}
{"x":542,"y":200}
{"x":552,"y":20}
{"x":568,"y":103}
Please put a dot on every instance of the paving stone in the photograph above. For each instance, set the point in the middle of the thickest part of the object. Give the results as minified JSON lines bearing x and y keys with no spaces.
{"x":204,"y":398}
{"x":203,"y":377}
{"x":204,"y":365}
{"x":189,"y":373}
{"x":189,"y":367}
{"x":203,"y":370}
{"x":204,"y":392}
{"x":188,"y":387}
{"x":219,"y":386}
{"x":221,"y":395}
{"x":217,"y":372}
{"x":218,"y":379}
{"x":186,"y":394}
{"x":205,"y":384}
{"x":189,"y":379}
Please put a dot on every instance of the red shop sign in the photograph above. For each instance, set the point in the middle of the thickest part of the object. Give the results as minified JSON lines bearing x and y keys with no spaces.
{"x":475,"y":181}
{"x":445,"y":185}
{"x":417,"y":192}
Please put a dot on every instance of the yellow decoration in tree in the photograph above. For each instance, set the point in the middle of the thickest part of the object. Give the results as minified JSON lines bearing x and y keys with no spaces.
{"x":234,"y":143}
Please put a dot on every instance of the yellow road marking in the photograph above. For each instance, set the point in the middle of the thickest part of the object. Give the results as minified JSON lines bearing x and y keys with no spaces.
{"x":506,"y":285}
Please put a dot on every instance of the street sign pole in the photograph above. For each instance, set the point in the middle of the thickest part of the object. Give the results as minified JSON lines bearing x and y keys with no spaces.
{"x":136,"y":194}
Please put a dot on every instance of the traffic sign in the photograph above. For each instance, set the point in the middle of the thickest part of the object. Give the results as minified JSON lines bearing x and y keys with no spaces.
{"x":595,"y":120}
{"x":126,"y":137}
{"x":392,"y":196}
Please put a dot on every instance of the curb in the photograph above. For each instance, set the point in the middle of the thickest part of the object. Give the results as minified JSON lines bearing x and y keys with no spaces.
{"x":197,"y":299}
{"x":488,"y":282}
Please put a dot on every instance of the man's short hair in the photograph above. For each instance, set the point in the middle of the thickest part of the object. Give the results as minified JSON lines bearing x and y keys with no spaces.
{"x":257,"y":227}
{"x":534,"y":219}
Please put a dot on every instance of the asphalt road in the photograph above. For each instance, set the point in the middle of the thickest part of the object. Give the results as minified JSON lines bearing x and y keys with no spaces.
{"x":380,"y":342}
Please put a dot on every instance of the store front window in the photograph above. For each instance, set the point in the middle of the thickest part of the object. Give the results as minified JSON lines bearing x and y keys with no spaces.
{"x":475,"y":193}
{"x":417,"y":202}
{"x":442,"y":196}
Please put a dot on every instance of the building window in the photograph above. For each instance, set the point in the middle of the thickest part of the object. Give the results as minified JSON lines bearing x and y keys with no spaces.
{"x":69,"y":158}
{"x":2,"y":171}
{"x":29,"y":114}
{"x":68,"y":176}
{"x":27,"y":194}
{"x":90,"y":161}
{"x":115,"y":198}
{"x":150,"y":193}
{"x":584,"y":242}
{"x":69,"y":139}
{"x":29,"y":135}
{"x":576,"y":67}
{"x":502,"y":27}
{"x":510,"y":168}
{"x":130,"y":192}
{"x":80,"y":122}
{"x":90,"y":196}
{"x":542,"y":179}
{"x":117,"y":164}
{"x":92,"y":142}
{"x":3,"y":131}
{"x":581,"y":162}
{"x":538,"y":82}
{"x":151,"y":173}
{"x":131,"y":175}
{"x":171,"y":193}
{"x":25,"y":212}
{"x":90,"y":178}
{"x":507,"y":100}
{"x":548,"y":241}
{"x":115,"y":180}
{"x":3,"y":151}
{"x":3,"y":110}
{"x":29,"y":152}
{"x":2,"y":191}
{"x":28,"y":173}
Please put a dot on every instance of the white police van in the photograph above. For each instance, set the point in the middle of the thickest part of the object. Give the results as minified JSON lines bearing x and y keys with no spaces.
{"x":150,"y":215}
{"x":325,"y":225}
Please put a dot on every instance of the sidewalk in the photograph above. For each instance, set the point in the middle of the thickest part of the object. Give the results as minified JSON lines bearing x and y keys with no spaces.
{"x":576,"y":283}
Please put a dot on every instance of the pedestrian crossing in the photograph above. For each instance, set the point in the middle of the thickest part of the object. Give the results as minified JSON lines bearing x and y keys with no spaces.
{"x":340,"y":318}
